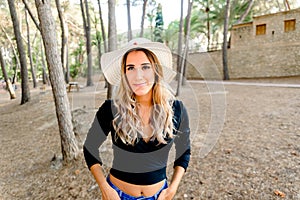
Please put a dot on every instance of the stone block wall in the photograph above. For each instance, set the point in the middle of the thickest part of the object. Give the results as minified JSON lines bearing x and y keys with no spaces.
{"x":275,"y":54}
{"x":281,"y":61}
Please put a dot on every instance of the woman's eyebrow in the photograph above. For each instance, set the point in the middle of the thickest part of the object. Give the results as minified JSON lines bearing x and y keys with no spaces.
{"x":132,"y":65}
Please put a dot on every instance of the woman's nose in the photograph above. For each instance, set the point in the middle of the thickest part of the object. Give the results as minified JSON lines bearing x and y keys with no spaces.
{"x":139,"y":73}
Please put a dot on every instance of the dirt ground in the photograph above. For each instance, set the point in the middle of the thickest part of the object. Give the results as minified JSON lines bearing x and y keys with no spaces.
{"x":245,"y":143}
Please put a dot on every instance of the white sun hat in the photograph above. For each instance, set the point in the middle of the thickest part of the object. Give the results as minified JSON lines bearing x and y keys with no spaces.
{"x":111,"y":61}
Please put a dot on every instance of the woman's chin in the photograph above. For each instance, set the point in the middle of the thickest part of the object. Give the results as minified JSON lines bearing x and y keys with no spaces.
{"x":142,"y":91}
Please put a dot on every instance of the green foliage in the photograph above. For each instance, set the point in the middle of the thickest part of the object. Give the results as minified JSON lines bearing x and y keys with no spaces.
{"x":96,"y":38}
{"x":76,"y":68}
{"x":171,"y":35}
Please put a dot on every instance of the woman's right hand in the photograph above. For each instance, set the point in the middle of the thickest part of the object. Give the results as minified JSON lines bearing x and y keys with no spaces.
{"x":108,"y":193}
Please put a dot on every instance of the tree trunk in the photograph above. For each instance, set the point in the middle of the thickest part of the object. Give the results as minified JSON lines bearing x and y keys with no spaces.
{"x":89,"y":47}
{"x":98,"y":36}
{"x":225,"y":45}
{"x":68,"y":141}
{"x":287,"y":5}
{"x":87,"y":30}
{"x":112,"y":36}
{"x":143,"y":17}
{"x":30,"y":53}
{"x":186,"y":48}
{"x":187,"y":39}
{"x":102,"y":27}
{"x":129,"y":34}
{"x":208,"y":25}
{"x":180,"y":33}
{"x":7,"y":81}
{"x":64,"y":41}
{"x":242,"y":18}
{"x":31,"y":15}
{"x":45,"y":75}
{"x":15,"y":55}
{"x":22,"y":56}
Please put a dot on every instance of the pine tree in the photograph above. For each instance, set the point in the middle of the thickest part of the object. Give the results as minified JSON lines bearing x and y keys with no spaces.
{"x":159,"y":25}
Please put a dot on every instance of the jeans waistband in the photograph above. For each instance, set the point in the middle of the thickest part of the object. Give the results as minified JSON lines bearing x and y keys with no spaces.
{"x":125,"y":196}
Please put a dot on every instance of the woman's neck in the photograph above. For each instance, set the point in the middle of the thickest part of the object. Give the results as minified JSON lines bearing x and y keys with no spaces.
{"x":145,"y":100}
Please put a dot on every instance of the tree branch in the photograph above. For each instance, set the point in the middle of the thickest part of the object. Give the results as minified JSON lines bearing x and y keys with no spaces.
{"x":31,"y":15}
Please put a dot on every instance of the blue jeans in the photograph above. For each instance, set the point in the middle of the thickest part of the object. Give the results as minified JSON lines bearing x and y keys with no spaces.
{"x":125,"y":196}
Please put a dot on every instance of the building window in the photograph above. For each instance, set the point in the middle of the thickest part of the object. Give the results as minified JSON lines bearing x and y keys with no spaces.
{"x":289,"y":25}
{"x":261,"y":29}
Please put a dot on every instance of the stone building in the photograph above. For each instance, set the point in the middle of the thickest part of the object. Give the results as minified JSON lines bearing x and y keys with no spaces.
{"x":269,"y":46}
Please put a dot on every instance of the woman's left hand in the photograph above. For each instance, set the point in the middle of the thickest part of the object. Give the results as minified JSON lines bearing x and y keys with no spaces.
{"x":166,"y":194}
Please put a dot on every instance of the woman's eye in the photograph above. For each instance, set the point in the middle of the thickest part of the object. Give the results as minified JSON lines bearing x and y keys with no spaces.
{"x":145,"y":67}
{"x":130,"y":68}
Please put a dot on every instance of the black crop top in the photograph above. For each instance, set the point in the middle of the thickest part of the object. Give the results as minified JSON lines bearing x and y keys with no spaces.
{"x":145,"y":162}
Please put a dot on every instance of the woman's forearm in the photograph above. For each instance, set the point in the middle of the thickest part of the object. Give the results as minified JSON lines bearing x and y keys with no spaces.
{"x":99,"y":176}
{"x":176,"y":178}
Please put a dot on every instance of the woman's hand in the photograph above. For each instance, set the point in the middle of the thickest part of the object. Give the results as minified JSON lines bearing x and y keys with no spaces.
{"x":109,"y":194}
{"x":169,"y":193}
{"x":166,"y":194}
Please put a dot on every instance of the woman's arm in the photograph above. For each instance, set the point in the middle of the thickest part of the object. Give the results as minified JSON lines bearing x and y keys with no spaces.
{"x":183,"y":150}
{"x":97,"y":134}
{"x":170,"y":192}
{"x":108,"y":193}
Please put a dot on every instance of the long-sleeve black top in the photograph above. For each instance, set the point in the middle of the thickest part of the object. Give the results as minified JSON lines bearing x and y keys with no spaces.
{"x":145,"y":162}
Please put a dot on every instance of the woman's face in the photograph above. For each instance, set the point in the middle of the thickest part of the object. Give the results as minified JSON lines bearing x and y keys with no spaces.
{"x":140,"y":73}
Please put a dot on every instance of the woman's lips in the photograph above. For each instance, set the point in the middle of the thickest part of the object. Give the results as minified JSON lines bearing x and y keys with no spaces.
{"x":139,"y":84}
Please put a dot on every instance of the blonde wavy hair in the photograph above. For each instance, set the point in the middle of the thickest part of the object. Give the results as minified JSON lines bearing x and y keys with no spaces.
{"x":128,"y":123}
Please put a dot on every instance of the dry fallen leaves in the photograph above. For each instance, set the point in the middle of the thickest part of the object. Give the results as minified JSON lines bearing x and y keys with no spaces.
{"x":279,"y":193}
{"x":77,"y":171}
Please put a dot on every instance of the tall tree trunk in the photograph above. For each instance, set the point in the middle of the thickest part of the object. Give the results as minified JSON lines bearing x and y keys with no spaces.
{"x":208,"y":25}
{"x":68,"y":141}
{"x":180,"y":34}
{"x":102,"y":27}
{"x":143,"y":17}
{"x":112,"y":36}
{"x":87,"y":31}
{"x":225,"y":43}
{"x":129,"y":34}
{"x":89,"y":47}
{"x":287,"y":5}
{"x":64,"y":41}
{"x":45,"y":75}
{"x":187,"y":39}
{"x":22,"y":56}
{"x":7,"y":81}
{"x":30,"y":53}
{"x":15,"y":55}
{"x":27,"y":7}
{"x":98,"y":35}
{"x":245,"y":14}
{"x":186,"y":48}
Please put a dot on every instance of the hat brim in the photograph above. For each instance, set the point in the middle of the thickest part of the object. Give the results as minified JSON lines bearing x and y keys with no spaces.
{"x":111,"y":61}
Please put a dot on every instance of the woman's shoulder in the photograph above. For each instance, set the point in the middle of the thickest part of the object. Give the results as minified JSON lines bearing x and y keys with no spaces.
{"x":178,"y":104}
{"x":107,"y":107}
{"x":179,"y":109}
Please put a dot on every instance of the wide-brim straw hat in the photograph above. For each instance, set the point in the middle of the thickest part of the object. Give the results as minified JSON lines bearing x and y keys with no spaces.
{"x":111,"y":61}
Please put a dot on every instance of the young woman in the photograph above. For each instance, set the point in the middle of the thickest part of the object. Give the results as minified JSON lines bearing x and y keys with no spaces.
{"x":144,"y":121}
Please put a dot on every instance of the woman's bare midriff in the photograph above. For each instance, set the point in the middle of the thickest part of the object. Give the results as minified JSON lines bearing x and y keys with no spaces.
{"x":137,"y":190}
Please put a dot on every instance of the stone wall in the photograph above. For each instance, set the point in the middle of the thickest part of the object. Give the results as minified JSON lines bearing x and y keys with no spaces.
{"x":275,"y":54}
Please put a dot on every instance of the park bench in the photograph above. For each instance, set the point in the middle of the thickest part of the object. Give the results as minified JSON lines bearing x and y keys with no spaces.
{"x":73,"y":85}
